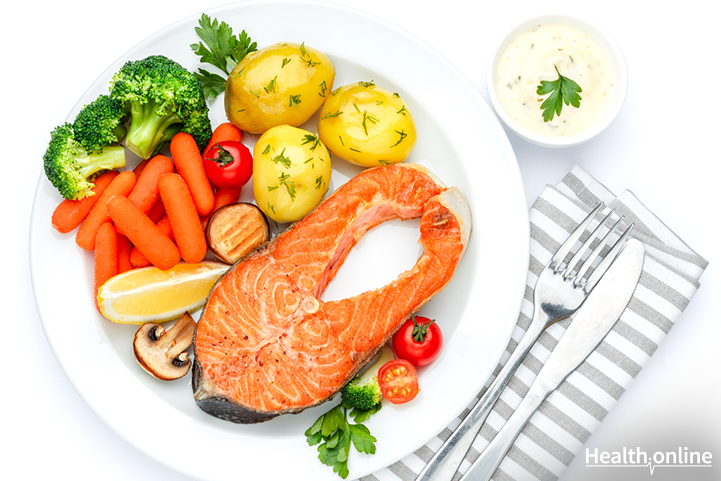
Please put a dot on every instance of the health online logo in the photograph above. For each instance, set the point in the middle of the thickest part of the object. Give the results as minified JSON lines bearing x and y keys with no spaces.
{"x":628,"y":457}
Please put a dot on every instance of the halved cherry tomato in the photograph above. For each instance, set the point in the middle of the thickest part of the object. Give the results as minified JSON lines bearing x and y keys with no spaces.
{"x":229,"y":164}
{"x":398,"y":381}
{"x":419,"y":340}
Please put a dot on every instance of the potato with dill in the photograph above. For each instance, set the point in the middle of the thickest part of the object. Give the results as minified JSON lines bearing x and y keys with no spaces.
{"x":367,"y":125}
{"x":291,"y":172}
{"x":285,"y":83}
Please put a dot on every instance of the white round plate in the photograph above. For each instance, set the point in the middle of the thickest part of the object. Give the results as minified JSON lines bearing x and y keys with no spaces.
{"x":459,"y":140}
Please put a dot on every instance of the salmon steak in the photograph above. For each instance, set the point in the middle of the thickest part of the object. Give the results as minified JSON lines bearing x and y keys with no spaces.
{"x":266,"y":344}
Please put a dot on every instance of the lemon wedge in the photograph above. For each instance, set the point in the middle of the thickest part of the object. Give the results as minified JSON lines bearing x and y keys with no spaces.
{"x":149,"y":294}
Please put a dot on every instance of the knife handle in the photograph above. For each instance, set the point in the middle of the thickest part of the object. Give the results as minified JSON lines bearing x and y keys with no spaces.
{"x":489,"y":460}
{"x":445,"y":463}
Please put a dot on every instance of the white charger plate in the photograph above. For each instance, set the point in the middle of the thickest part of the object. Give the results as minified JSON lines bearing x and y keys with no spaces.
{"x":459,"y":139}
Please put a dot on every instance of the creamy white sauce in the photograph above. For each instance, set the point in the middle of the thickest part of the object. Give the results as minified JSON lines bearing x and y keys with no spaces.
{"x":531,"y":57}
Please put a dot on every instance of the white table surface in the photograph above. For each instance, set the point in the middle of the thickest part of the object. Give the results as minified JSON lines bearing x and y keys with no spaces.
{"x":661,"y":147}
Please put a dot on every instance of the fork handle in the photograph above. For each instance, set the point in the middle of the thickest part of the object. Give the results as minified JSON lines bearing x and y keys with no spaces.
{"x":489,"y":460}
{"x":445,"y":463}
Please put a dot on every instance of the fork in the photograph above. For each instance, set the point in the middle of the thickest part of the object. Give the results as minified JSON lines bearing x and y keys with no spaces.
{"x":560,"y":290}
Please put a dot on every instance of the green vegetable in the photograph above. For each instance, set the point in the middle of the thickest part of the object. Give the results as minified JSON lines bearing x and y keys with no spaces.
{"x":361,"y":398}
{"x":163,"y":98}
{"x":334,"y":436}
{"x":363,"y":392}
{"x":224,"y":50}
{"x":70,"y":168}
{"x":563,"y":90}
{"x":101,"y":123}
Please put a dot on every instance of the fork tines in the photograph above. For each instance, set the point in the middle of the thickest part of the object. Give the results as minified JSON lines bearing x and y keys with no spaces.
{"x":578,"y":276}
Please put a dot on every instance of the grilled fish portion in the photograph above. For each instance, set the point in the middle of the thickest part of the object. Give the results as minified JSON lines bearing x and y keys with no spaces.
{"x":266,"y":344}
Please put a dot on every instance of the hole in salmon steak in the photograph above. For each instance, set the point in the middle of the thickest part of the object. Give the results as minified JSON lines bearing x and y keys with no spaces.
{"x":378,"y":258}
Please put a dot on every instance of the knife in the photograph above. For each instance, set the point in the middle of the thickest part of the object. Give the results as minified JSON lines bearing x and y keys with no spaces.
{"x":592,"y":322}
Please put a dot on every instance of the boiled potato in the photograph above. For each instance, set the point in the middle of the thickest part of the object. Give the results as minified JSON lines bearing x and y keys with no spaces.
{"x":282,"y":84}
{"x":367,"y":125}
{"x":291,"y":172}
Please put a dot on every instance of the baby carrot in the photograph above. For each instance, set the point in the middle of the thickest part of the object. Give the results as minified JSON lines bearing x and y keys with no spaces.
{"x":145,"y":192}
{"x":70,"y":213}
{"x":223,"y":197}
{"x":139,"y":168}
{"x":137,"y":258}
{"x":184,"y":219}
{"x":141,"y":231}
{"x":224,"y":131}
{"x":106,"y":257}
{"x":157,"y":212}
{"x":124,"y":250}
{"x":122,"y":184}
{"x":189,"y":165}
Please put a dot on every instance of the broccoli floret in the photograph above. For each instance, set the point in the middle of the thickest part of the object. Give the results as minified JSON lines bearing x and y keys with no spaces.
{"x":101,"y":123}
{"x":70,"y":168}
{"x":163,"y":98}
{"x":363,"y":392}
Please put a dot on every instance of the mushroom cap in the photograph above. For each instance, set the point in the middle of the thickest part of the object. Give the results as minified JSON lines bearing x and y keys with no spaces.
{"x":163,"y":353}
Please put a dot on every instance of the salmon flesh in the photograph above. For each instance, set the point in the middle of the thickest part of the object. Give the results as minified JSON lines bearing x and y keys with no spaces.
{"x":266,"y":344}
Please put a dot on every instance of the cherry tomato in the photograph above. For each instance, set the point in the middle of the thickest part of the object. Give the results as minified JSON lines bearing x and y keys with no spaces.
{"x":229,"y":164}
{"x":398,"y":381}
{"x":419,"y":340}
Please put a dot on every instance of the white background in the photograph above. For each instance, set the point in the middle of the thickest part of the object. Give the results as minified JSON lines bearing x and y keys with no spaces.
{"x":663,"y":147}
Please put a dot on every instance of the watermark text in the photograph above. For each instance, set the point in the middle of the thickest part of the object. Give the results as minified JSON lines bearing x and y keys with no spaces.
{"x":636,"y":457}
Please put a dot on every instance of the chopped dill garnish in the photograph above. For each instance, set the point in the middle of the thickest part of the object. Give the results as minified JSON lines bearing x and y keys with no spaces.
{"x":284,"y":179}
{"x":282,"y":159}
{"x":271,"y":85}
{"x":331,"y":114}
{"x":311,"y":139}
{"x":403,"y":136}
{"x":368,"y":118}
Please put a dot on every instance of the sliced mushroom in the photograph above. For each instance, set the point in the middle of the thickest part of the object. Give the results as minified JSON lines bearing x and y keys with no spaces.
{"x":236,"y":230}
{"x":163,"y":353}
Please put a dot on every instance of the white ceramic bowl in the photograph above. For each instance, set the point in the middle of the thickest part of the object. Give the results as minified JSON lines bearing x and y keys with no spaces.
{"x":619,"y":77}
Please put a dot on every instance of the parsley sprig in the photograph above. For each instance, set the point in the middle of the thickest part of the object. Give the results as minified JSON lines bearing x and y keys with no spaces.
{"x":334,"y":435}
{"x":563,"y":90}
{"x":221,"y":49}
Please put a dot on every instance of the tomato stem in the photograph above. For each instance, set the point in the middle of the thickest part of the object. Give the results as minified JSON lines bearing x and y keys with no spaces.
{"x":420,"y":330}
{"x":224,"y":157}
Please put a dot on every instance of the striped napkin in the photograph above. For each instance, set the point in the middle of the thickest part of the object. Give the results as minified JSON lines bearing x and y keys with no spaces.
{"x":563,"y":423}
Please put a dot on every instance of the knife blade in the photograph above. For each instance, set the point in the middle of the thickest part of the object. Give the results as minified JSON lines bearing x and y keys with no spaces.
{"x":591,"y":324}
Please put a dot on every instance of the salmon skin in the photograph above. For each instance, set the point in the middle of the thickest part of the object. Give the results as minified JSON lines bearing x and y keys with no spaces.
{"x":266,"y":344}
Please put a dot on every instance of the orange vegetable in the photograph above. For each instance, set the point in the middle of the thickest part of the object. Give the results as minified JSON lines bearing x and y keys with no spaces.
{"x":106,"y":257}
{"x":145,"y":192}
{"x":223,"y":197}
{"x":224,"y":131}
{"x":121,"y":185}
{"x":139,"y":168}
{"x":124,"y":250}
{"x":189,"y":165}
{"x":183,"y":216}
{"x":137,"y":258}
{"x":157,"y":212}
{"x":141,"y":231}
{"x":70,"y":213}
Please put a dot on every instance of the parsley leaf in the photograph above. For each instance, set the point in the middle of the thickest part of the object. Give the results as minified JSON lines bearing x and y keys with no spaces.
{"x":221,"y":49}
{"x":563,"y":90}
{"x":334,"y":436}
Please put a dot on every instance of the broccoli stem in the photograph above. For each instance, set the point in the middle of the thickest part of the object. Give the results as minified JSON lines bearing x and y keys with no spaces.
{"x":148,"y":131}
{"x":112,"y":157}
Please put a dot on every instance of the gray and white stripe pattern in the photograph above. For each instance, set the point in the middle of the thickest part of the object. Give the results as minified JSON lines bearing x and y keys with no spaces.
{"x":565,"y":421}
